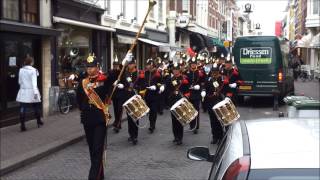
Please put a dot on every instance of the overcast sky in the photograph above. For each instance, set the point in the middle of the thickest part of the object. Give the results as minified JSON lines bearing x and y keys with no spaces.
{"x":265,"y":12}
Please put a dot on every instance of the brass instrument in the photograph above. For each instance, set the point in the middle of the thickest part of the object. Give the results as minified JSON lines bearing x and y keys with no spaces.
{"x":226,"y":112}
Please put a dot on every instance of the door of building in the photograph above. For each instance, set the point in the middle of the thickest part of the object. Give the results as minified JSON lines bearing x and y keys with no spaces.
{"x":14,"y":48}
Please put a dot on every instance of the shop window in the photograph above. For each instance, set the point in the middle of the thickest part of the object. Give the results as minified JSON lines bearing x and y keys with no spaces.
{"x":10,"y":9}
{"x":73,"y":50}
{"x":30,"y":11}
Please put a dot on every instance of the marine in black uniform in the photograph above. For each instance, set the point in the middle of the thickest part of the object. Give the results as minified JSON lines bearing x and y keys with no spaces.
{"x":93,"y":118}
{"x":178,"y":87}
{"x":130,"y":82}
{"x":230,"y":77}
{"x":152,"y":84}
{"x":213,"y":87}
{"x":118,"y":96}
{"x":196,"y":78}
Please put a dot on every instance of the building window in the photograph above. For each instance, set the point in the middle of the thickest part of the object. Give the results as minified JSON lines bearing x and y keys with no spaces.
{"x":315,"y":8}
{"x":185,"y":5}
{"x":172,"y":5}
{"x":30,"y":11}
{"x":123,"y":8}
{"x":26,"y":11}
{"x":74,"y":46}
{"x":10,"y":9}
{"x":160,"y":13}
{"x":107,"y":6}
{"x":136,"y":9}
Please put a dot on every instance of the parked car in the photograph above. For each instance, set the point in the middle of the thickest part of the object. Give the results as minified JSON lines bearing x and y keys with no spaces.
{"x":274,"y":149}
{"x":262,"y":62}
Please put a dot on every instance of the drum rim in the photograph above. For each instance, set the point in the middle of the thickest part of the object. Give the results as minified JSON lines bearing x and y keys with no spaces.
{"x":176,"y":104}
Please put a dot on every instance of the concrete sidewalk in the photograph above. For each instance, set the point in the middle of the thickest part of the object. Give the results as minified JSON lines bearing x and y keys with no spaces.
{"x":18,"y":149}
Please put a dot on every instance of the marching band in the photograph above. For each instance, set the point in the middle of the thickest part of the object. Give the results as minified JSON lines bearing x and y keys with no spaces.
{"x":183,"y":86}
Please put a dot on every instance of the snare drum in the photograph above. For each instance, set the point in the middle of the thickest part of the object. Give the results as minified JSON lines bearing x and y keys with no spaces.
{"x":184,"y":111}
{"x":136,"y":107}
{"x":226,"y":112}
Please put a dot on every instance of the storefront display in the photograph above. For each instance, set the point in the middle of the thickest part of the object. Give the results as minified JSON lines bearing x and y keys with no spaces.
{"x":74,"y":45}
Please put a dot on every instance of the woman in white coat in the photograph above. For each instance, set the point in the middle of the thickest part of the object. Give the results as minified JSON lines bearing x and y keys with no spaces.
{"x":28,"y":94}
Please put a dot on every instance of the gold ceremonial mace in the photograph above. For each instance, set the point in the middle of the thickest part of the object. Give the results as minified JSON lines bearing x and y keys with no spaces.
{"x":133,"y":45}
{"x":151,"y":4}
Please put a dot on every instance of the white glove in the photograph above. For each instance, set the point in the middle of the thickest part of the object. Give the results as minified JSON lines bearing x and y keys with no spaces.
{"x":233,"y":85}
{"x":127,"y":59}
{"x":161,"y":89}
{"x":196,"y":87}
{"x":115,"y":83}
{"x":152,"y":88}
{"x":120,"y":86}
{"x":203,"y":94}
{"x":71,"y":77}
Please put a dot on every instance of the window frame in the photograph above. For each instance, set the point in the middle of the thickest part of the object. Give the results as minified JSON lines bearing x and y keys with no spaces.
{"x":20,"y":19}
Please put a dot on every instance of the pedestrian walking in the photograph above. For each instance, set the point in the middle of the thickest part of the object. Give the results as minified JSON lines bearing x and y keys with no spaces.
{"x":28,"y":94}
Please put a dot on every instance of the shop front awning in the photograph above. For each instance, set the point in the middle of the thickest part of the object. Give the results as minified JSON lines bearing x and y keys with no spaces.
{"x":82,"y":24}
{"x":123,"y":39}
{"x":11,"y":26}
{"x":214,"y":42}
{"x":155,"y":43}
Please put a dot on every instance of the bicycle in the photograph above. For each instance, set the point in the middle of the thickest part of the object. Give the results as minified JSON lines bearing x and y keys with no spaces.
{"x":67,"y":97}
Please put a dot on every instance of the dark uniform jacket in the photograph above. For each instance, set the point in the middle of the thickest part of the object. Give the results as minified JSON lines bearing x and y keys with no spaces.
{"x":152,"y":78}
{"x":89,"y":112}
{"x":213,"y":87}
{"x":229,"y":77}
{"x":196,"y":78}
{"x":177,"y":87}
{"x":113,"y":75}
{"x":133,"y":83}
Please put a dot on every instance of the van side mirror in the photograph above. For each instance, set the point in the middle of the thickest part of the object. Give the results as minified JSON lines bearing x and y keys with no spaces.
{"x":200,"y":153}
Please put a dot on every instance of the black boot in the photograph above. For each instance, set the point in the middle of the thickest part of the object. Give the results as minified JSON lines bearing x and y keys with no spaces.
{"x":22,"y":126}
{"x":39,"y":122}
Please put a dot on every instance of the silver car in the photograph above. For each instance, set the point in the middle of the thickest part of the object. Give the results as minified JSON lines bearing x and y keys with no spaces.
{"x":275,"y":149}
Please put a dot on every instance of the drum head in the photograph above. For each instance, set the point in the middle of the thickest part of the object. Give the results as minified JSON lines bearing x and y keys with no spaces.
{"x":129,"y":100}
{"x":177,"y":104}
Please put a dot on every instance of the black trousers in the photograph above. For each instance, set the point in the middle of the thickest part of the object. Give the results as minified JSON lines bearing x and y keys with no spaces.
{"x":161,"y":102}
{"x":177,"y":128}
{"x":23,"y":110}
{"x":196,"y":121}
{"x":216,"y":127}
{"x":117,"y":109}
{"x":95,"y":135}
{"x":153,"y":105}
{"x":132,"y":127}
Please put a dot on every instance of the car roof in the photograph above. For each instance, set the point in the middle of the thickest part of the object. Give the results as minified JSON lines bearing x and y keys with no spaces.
{"x":284,"y":143}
